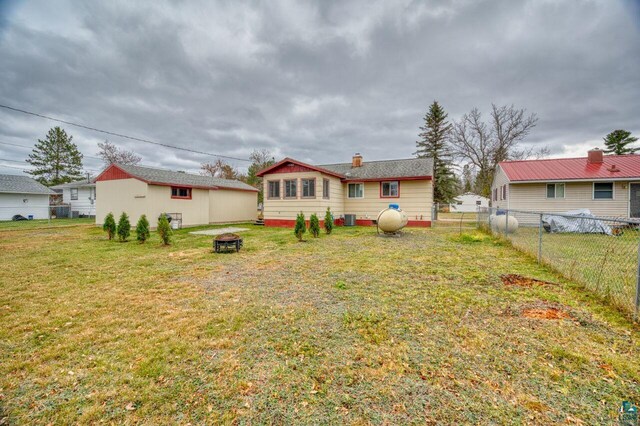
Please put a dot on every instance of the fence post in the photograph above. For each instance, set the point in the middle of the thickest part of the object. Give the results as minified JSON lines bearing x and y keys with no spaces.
{"x":637,"y":310}
{"x":540,"y":240}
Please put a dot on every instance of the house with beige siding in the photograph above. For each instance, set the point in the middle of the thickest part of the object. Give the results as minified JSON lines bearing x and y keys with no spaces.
{"x":608,"y":185}
{"x":359,"y":188}
{"x":191,"y":199}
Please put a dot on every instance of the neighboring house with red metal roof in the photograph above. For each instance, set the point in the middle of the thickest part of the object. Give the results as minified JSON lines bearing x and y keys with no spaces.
{"x":608,"y":185}
{"x":359,"y":189}
{"x":192,"y":199}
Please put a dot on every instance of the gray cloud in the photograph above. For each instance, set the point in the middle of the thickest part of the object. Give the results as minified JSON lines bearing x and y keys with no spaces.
{"x":313,"y":80}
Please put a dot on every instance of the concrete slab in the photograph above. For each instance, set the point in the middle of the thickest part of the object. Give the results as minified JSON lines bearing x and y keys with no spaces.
{"x":218,"y":231}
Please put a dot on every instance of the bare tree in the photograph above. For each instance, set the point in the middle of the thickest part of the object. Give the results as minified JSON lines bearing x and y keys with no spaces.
{"x":112,"y":154}
{"x":485,"y":144}
{"x":221,"y":169}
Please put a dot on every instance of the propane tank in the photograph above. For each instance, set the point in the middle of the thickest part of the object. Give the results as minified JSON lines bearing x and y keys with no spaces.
{"x":392,"y":219}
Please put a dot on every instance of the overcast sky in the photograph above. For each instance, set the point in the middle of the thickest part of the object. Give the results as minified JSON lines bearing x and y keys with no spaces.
{"x":316,"y":81}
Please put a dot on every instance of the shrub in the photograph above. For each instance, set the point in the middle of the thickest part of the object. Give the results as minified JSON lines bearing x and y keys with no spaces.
{"x":124,"y":227}
{"x":300,"y":228}
{"x":314,"y":225}
{"x":109,"y":226}
{"x":328,"y":221}
{"x":164,"y":230}
{"x":142,"y":229}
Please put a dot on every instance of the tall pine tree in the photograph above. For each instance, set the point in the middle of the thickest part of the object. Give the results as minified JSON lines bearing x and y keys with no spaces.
{"x":616,"y":143}
{"x":56,"y":159}
{"x":433,"y":143}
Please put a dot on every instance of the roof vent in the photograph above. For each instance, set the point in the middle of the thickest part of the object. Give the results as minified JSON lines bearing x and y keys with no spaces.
{"x":595,"y":156}
{"x":613,"y":168}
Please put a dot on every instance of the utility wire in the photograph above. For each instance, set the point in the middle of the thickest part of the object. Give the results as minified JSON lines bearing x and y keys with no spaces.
{"x":120,"y":134}
{"x":30,"y":147}
{"x":22,"y":161}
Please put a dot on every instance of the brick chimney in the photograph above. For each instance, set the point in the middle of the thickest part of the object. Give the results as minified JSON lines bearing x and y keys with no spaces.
{"x":595,"y":156}
{"x":357,"y":160}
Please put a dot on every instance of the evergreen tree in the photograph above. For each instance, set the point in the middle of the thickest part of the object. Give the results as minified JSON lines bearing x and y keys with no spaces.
{"x":328,"y":221}
{"x":164,"y":230}
{"x":142,"y":229}
{"x":433,"y":143}
{"x":260,"y":160}
{"x":314,"y":225}
{"x":109,"y":225}
{"x":124,"y":227}
{"x":616,"y":143}
{"x":300,"y":227}
{"x":56,"y":159}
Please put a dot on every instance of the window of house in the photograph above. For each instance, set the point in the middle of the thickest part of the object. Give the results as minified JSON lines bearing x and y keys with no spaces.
{"x":74,"y":193}
{"x":478,"y":203}
{"x":503,"y":192}
{"x":274,"y":189}
{"x":290,"y":188}
{"x":180,"y":192}
{"x":356,"y":190}
{"x":603,"y":191}
{"x":390,"y":189}
{"x":495,"y":194}
{"x":555,"y":190}
{"x":308,"y":188}
{"x":325,"y":188}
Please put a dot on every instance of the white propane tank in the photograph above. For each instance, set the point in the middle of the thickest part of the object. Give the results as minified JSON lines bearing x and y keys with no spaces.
{"x":392,"y":219}
{"x":499,"y":223}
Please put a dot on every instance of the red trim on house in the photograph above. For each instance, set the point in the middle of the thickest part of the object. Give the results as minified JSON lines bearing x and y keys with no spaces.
{"x":224,"y":188}
{"x":389,"y":196}
{"x":307,"y":167}
{"x":290,"y":223}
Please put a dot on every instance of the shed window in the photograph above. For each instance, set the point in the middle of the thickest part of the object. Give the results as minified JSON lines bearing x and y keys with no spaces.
{"x":274,"y":189}
{"x":603,"y":191}
{"x":325,"y":188}
{"x":181,"y":193}
{"x":290,"y":188}
{"x":555,"y":190}
{"x":390,"y":189}
{"x":356,"y":190}
{"x":308,"y":188}
{"x":74,"y":193}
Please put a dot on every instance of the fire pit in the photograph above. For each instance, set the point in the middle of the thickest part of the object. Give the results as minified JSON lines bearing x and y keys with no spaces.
{"x":226,"y":242}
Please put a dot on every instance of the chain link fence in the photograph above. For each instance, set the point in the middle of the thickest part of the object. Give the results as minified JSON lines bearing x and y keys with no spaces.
{"x":601,"y":253}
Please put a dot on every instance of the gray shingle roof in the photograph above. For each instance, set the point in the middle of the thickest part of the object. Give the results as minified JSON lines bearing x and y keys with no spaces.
{"x":76,"y":184}
{"x":22,"y":185}
{"x":153,"y":175}
{"x":411,"y":167}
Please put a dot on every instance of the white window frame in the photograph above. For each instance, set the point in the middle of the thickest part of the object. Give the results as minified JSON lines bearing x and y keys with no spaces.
{"x":593,"y":192}
{"x":349,"y":192}
{"x":73,"y":197}
{"x":555,"y":191}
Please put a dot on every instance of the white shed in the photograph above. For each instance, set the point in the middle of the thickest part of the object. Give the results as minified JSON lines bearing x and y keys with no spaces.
{"x":79,"y":195}
{"x":21,"y":195}
{"x":468,"y":203}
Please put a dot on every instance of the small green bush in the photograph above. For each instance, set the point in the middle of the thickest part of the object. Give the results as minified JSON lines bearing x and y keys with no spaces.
{"x":124,"y":227}
{"x":328,"y":221}
{"x":314,"y":225}
{"x":301,"y":227}
{"x":142,"y":229}
{"x":164,"y":230}
{"x":109,"y":226}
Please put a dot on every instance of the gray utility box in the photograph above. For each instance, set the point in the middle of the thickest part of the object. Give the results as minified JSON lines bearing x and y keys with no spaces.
{"x":349,"y":220}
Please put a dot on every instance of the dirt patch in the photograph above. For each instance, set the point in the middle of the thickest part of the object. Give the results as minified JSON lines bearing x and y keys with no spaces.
{"x":516,"y":280}
{"x":545,"y":313}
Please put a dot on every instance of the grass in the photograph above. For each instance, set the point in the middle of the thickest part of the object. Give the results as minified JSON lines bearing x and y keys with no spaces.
{"x":7,"y":225}
{"x":348,"y":328}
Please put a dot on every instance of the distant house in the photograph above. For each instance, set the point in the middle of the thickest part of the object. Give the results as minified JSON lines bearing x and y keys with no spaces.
{"x":468,"y":203}
{"x":196,"y":199}
{"x":79,"y":195}
{"x":608,"y":185}
{"x":21,"y":195}
{"x":359,"y":189}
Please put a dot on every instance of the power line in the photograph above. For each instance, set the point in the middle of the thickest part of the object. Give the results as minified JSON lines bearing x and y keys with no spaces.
{"x":30,"y":147}
{"x":22,"y":161}
{"x":120,"y":135}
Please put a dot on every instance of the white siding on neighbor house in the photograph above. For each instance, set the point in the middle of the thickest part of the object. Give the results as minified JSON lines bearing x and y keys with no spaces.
{"x":36,"y":205}
{"x":499,"y":180}
{"x":577,"y":195}
{"x":85,"y":204}
{"x":468,"y":203}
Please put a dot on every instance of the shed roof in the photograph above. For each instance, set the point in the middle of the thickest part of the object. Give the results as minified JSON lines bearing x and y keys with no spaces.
{"x":22,"y":185}
{"x":77,"y":184}
{"x":167,"y":177}
{"x":627,"y":166}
